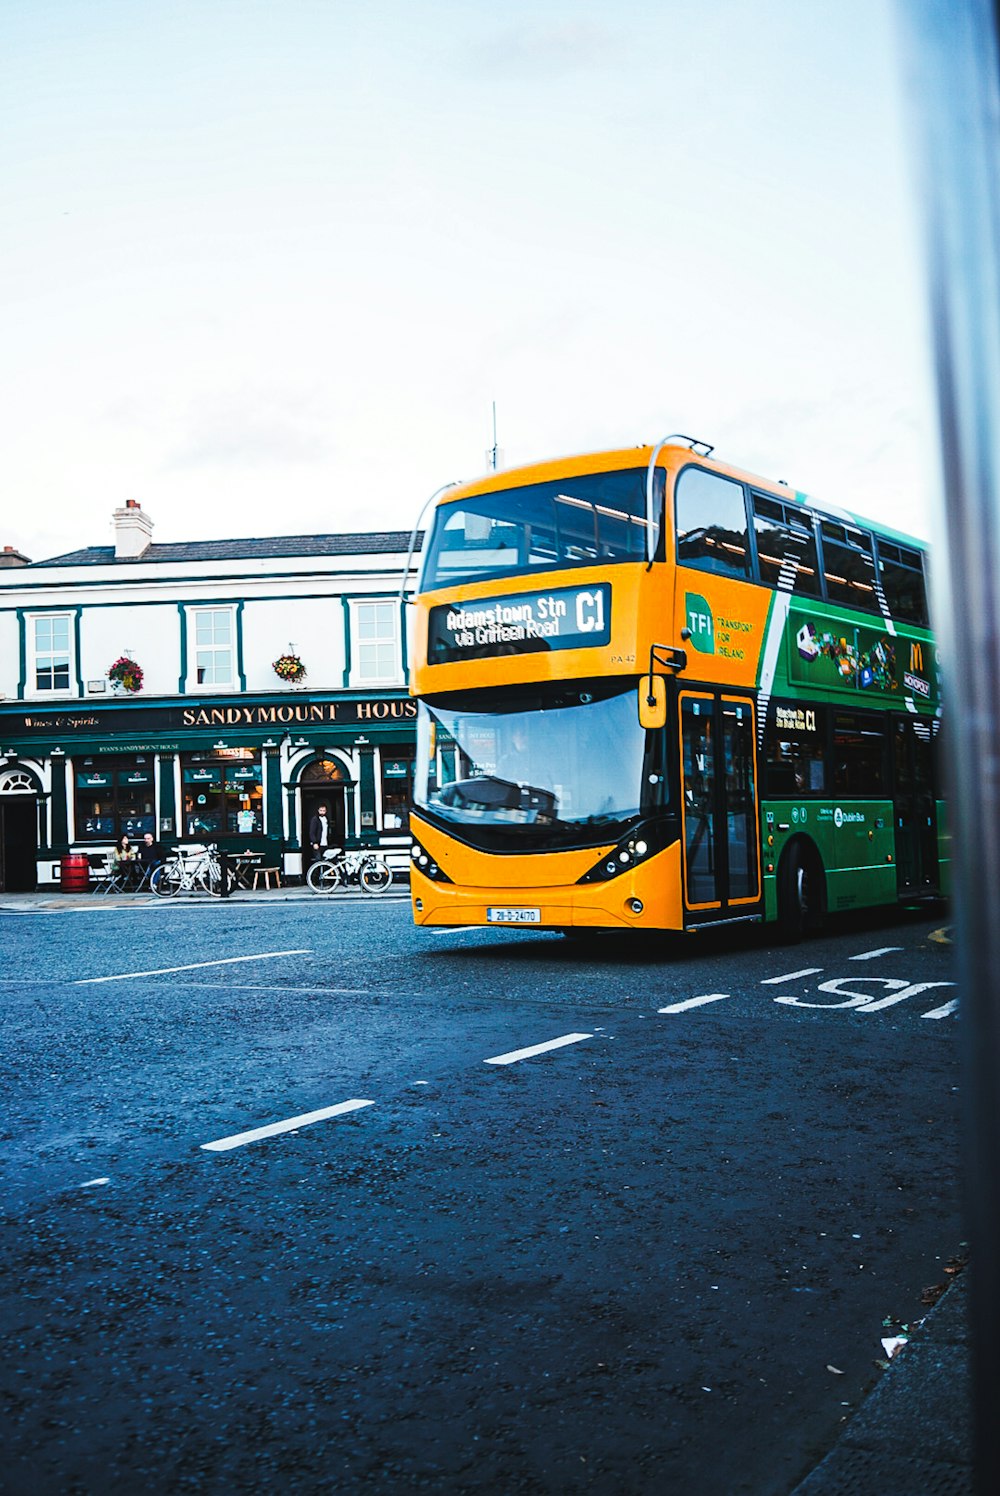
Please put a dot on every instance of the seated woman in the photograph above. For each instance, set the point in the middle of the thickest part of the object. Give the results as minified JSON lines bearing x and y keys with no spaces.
{"x":123,"y":859}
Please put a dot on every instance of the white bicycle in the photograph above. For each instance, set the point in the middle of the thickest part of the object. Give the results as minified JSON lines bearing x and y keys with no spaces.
{"x":339,"y":869}
{"x":189,"y":872}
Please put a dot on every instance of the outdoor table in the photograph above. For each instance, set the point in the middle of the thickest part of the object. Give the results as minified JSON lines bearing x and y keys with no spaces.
{"x":243,"y":865}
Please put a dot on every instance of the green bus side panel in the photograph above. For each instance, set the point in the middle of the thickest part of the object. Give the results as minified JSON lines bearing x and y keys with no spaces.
{"x":855,"y":842}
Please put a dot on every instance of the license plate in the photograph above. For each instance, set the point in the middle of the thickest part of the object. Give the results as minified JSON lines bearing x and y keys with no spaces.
{"x":513,"y":916}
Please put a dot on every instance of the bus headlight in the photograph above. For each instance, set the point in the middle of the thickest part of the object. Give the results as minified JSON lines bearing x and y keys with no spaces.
{"x":425,"y":864}
{"x":630,"y":850}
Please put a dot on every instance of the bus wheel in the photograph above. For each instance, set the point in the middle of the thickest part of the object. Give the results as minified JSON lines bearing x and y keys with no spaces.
{"x":800,"y":894}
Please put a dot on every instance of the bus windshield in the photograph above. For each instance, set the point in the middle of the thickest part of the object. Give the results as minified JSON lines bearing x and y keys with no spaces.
{"x":587,"y":520}
{"x":533,"y":768}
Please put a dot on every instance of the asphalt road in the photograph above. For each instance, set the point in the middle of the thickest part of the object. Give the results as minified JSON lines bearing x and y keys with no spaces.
{"x":655,"y":1258}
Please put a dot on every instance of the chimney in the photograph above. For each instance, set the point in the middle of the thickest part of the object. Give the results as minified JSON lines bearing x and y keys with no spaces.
{"x":133,"y":530}
{"x":10,"y":557}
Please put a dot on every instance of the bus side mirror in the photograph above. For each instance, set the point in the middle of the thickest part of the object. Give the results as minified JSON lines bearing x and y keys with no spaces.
{"x":652,"y":702}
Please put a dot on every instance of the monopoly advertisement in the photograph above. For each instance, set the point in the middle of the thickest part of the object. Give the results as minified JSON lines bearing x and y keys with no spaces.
{"x":825,"y":652}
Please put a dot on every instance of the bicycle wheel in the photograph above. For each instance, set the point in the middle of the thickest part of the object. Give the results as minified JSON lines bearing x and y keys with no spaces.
{"x":323,"y":877}
{"x":166,"y":880}
{"x":210,"y":879}
{"x":376,"y":876}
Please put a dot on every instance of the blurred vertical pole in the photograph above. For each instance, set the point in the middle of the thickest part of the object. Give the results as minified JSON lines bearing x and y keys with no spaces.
{"x":951,"y":59}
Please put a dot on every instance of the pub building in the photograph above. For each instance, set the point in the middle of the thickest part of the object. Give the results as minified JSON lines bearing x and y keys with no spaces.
{"x":207,"y":691}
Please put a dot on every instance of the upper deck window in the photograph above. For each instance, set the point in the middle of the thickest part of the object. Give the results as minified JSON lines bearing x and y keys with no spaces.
{"x":849,"y":567}
{"x":574,"y":521}
{"x":786,"y":546}
{"x":903,"y":582}
{"x":712,"y":523}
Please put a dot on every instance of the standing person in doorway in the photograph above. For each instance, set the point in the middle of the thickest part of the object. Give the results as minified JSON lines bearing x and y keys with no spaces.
{"x":319,"y":833}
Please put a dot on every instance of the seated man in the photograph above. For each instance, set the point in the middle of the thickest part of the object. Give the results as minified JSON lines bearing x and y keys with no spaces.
{"x":150,"y":856}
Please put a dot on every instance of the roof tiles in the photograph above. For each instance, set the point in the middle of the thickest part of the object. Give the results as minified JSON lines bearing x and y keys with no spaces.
{"x":275,"y":547}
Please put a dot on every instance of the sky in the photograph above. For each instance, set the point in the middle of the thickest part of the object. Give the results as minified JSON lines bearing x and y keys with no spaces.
{"x":266,"y":268}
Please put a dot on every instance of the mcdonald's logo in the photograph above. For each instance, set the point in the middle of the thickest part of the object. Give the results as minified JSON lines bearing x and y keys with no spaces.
{"x":916,"y":657}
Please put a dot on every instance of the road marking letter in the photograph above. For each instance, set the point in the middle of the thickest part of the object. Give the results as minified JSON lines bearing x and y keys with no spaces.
{"x":898,"y":997}
{"x":944,"y":1012}
{"x":845,"y":987}
{"x":526,"y":1054}
{"x":221,"y":1145}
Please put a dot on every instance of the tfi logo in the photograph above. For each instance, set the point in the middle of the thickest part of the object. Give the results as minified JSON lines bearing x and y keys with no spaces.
{"x":700,"y":623}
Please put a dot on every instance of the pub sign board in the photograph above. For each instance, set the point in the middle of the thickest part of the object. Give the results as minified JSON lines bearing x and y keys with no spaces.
{"x":520,"y":623}
{"x":70,"y":721}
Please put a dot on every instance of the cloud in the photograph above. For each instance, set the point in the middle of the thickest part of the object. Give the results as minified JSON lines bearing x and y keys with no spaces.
{"x":532,"y":52}
{"x":250,"y":429}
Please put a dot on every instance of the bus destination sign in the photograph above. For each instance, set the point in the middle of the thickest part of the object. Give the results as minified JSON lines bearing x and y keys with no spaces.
{"x":525,"y":622}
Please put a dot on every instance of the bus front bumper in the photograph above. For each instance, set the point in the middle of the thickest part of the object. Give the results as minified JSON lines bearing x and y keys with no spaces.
{"x":645,"y":897}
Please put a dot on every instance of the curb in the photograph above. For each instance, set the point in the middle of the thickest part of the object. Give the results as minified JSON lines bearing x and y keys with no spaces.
{"x":913,"y":1431}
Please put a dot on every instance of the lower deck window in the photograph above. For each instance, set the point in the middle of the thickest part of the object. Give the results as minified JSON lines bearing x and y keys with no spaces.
{"x":859,"y":757}
{"x":795,"y":751}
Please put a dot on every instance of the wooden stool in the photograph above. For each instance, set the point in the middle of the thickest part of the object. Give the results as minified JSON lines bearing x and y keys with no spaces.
{"x":265,"y":873}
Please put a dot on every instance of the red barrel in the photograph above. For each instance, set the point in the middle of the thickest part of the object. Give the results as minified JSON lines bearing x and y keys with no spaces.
{"x":74,"y":873}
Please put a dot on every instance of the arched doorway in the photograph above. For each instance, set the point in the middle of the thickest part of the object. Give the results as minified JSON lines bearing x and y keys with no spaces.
{"x":18,"y":831}
{"x":324,"y":782}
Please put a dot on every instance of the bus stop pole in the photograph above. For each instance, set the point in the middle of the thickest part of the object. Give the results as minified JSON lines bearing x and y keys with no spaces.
{"x":950,"y":56}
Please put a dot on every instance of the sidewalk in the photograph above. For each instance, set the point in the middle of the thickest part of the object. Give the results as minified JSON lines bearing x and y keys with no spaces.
{"x":53,"y":900}
{"x":912,"y":1436}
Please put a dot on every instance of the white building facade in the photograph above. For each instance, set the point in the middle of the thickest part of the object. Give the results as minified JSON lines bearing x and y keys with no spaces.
{"x":213,"y":744}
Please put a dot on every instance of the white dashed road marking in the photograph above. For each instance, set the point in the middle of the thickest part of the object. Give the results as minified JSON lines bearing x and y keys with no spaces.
{"x":792,"y":976}
{"x":526,"y":1054}
{"x":162,"y":971}
{"x":695,"y":1002}
{"x":221,"y":1145}
{"x":883,"y":950}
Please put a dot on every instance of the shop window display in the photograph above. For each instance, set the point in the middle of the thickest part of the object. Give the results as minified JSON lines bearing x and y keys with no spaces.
{"x":223,"y":794}
{"x":114,"y":797}
{"x":397,"y":792}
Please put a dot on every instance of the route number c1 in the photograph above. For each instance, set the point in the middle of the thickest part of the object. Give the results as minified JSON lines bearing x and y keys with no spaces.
{"x":590,"y":612}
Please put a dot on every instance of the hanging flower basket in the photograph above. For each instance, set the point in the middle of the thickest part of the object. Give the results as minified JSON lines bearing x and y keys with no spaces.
{"x":125,"y":675}
{"x":288,"y":667}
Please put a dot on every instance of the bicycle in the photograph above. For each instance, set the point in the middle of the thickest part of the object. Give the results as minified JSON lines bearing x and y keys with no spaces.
{"x":189,"y":872}
{"x":340,"y":868}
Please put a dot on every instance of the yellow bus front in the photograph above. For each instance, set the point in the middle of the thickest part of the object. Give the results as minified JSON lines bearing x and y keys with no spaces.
{"x":539,"y":799}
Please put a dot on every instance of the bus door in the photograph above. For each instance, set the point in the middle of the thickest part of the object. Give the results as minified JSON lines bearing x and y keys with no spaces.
{"x":915,"y":806}
{"x":719,"y":806}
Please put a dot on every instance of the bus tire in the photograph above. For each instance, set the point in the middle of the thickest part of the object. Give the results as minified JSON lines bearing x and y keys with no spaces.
{"x":801,"y":893}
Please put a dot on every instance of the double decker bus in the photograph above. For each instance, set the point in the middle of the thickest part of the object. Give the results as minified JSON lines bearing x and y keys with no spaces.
{"x":658,"y":692}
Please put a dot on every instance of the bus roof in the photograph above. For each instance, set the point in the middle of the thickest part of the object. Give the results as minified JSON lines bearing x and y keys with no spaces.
{"x":609,"y":461}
